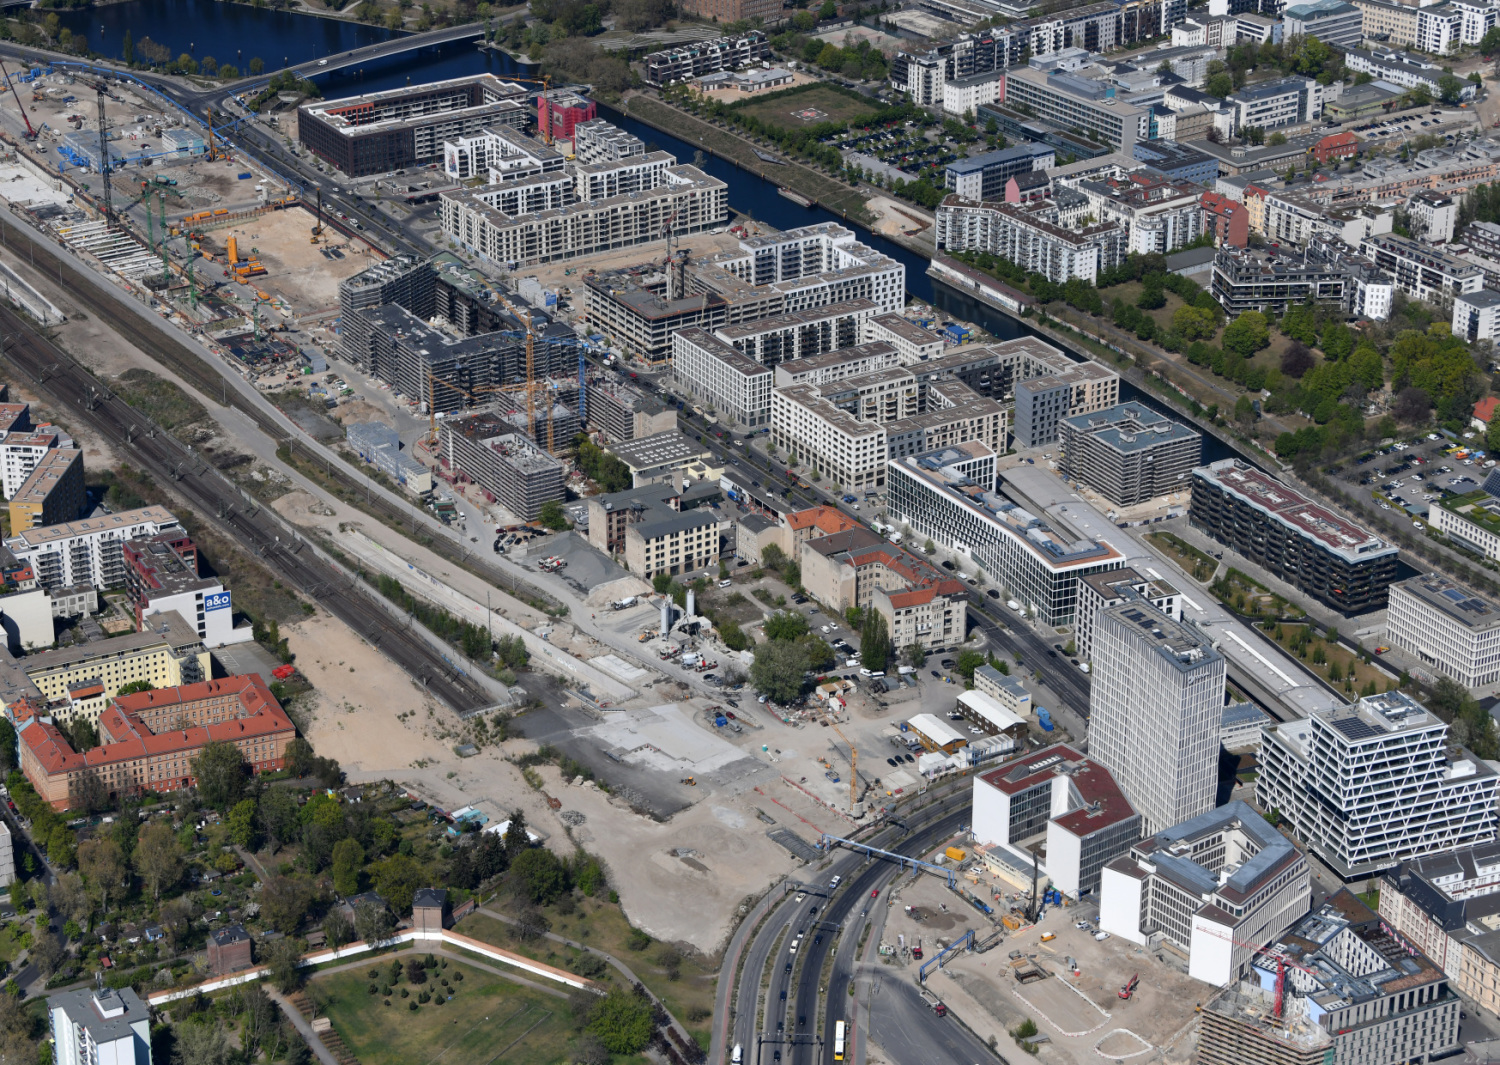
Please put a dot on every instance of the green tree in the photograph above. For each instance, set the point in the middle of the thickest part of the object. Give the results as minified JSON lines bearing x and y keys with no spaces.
{"x":220,"y":772}
{"x":242,"y":823}
{"x":1450,"y":89}
{"x":623,"y":1022}
{"x":779,"y":670}
{"x":282,"y":958}
{"x":397,"y":880}
{"x":202,"y":1044}
{"x":968,"y":662}
{"x":784,"y":625}
{"x":916,"y":655}
{"x":257,"y":66}
{"x":930,"y":548}
{"x":103,"y":867}
{"x":1492,"y":435}
{"x":539,"y":875}
{"x":874,"y":642}
{"x":158,"y":858}
{"x":283,"y":903}
{"x":552,"y":517}
{"x":8,"y":748}
{"x":127,"y":48}
{"x":1247,"y":334}
{"x":277,"y":811}
{"x":348,"y":860}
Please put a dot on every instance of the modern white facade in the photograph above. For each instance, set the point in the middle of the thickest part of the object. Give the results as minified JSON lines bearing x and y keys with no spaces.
{"x":1476,"y":315}
{"x":1422,"y":271}
{"x":718,"y":376}
{"x":1439,"y":29}
{"x":964,"y":95}
{"x":103,"y":1027}
{"x":1434,"y":216}
{"x":1154,"y":710}
{"x":1038,"y":565}
{"x":1030,"y":236}
{"x":21,"y":451}
{"x":1272,"y":104}
{"x":597,"y":141}
{"x":1218,"y":887}
{"x":90,"y":551}
{"x":1448,"y":627}
{"x":1476,"y":18}
{"x":1368,"y":785}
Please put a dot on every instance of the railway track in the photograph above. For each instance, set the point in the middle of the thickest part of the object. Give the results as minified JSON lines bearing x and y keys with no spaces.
{"x":209,"y":381}
{"x":54,"y":373}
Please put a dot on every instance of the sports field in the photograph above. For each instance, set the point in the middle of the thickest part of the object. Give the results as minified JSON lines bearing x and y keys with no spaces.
{"x":817,"y":104}
{"x":487,"y":1021}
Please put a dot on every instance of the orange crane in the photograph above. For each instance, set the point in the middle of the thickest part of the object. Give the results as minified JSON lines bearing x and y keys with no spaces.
{"x":853,"y":766}
{"x":1282,"y":965}
{"x":531,"y":385}
{"x":432,"y":382}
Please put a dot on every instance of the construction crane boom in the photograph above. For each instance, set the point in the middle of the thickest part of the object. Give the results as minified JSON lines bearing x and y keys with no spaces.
{"x":30,"y":133}
{"x":853,"y":766}
{"x":104,"y":168}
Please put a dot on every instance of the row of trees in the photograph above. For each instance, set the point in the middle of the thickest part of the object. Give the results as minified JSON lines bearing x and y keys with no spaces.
{"x":599,"y":466}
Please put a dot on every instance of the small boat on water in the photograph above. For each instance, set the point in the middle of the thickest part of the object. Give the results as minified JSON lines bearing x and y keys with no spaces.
{"x":796,"y":197}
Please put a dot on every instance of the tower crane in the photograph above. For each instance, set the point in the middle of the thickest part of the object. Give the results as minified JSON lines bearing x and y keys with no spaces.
{"x":1283,"y":963}
{"x":853,"y":765}
{"x":30,"y":132}
{"x":104,"y":168}
{"x":432,"y":382}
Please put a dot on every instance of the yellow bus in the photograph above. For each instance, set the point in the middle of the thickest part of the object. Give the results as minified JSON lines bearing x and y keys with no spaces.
{"x":838,"y":1041}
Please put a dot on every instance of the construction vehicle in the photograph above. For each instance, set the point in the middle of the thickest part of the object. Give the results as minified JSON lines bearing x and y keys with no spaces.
{"x":317,"y":229}
{"x":1048,"y":937}
{"x":31,"y":133}
{"x":1130,"y":985}
{"x":916,"y":950}
{"x":690,"y":781}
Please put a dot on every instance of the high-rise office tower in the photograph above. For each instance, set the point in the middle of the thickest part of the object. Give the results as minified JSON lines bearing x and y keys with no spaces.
{"x":1157,"y":697}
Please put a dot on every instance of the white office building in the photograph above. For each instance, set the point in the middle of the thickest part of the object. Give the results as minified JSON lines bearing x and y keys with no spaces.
{"x":714,"y":373}
{"x":1030,"y":236}
{"x":1448,"y":627}
{"x":90,"y":551}
{"x":1368,"y":785}
{"x":1216,"y":887}
{"x":1422,"y":271}
{"x":1439,"y":29}
{"x":1038,"y":562}
{"x":1154,"y":710}
{"x":1434,"y":216}
{"x":99,"y":1027}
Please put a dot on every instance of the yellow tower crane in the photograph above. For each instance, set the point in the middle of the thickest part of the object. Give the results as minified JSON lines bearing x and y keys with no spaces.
{"x":853,"y":765}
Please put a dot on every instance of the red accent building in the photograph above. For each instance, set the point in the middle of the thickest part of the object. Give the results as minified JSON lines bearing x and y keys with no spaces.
{"x":148,"y":740}
{"x":557,"y":112}
{"x":1228,"y":220}
{"x":1335,"y":146}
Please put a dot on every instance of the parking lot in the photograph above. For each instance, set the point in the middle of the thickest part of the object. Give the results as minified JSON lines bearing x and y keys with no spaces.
{"x":1414,"y":474}
{"x":1393,"y":131}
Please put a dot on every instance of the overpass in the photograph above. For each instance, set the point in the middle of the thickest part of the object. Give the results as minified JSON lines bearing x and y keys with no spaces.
{"x":354,"y":57}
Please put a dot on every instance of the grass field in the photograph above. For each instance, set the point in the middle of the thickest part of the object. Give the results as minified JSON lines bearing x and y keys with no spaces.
{"x":834,"y":105}
{"x":690,"y":996}
{"x":489,"y":1020}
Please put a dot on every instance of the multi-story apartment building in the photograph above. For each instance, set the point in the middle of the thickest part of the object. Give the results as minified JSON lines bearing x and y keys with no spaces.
{"x":101,"y":1025}
{"x":1057,"y":801}
{"x":983,"y":177}
{"x":1246,"y":279}
{"x":1448,"y":627}
{"x":838,"y":365}
{"x":54,"y":493}
{"x":730,"y":383}
{"x":559,"y":111}
{"x":1472,"y":519}
{"x":1100,"y":590}
{"x":1029,"y":236}
{"x":1227,"y":220}
{"x":1399,"y":68}
{"x":1330,"y":21}
{"x":1038,"y":560}
{"x":913,"y":343}
{"x":1476,"y":315}
{"x":800,"y":334}
{"x":148,"y":740}
{"x":1421,"y":271}
{"x":1217,"y":887}
{"x":964,"y":96}
{"x":932,"y":615}
{"x":1433,"y":215}
{"x":161,"y":574}
{"x":23,"y":450}
{"x":1371,"y":784}
{"x":502,"y":460}
{"x":598,"y":141}
{"x":1325,"y":555}
{"x":694,"y":60}
{"x":627,"y":413}
{"x":1442,"y":901}
{"x":1129,"y":453}
{"x":1043,"y":402}
{"x":87,"y":551}
{"x":1439,"y":29}
{"x":402,"y":280}
{"x":1154,"y":709}
{"x":1159,"y":215}
{"x":73,"y":682}
{"x":1073,"y":102}
{"x":1338,"y":987}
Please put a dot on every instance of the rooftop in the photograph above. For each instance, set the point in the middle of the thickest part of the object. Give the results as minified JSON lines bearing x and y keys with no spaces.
{"x":1276,"y":500}
{"x":107,"y":1015}
{"x":1453,"y":599}
{"x":121,"y":522}
{"x":1130,"y":427}
{"x":1184,"y":646}
{"x":1028,"y":151}
{"x":1260,"y":853}
{"x":1096,"y":800}
{"x":663,"y":449}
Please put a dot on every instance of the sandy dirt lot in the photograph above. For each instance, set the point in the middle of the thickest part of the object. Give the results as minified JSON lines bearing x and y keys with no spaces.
{"x":894,"y":219}
{"x":296,"y":268}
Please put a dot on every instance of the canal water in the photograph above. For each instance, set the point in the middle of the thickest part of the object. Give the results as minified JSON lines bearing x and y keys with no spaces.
{"x":236,"y":33}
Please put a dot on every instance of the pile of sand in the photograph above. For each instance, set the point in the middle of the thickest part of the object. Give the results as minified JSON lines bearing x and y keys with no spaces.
{"x":613,"y":591}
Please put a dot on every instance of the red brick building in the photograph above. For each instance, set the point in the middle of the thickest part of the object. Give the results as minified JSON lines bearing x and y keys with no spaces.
{"x":148,"y":740}
{"x":1335,"y":146}
{"x":229,"y":950}
{"x":1228,"y":220}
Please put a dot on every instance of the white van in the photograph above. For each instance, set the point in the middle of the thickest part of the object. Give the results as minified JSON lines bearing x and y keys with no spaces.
{"x":737,"y":1055}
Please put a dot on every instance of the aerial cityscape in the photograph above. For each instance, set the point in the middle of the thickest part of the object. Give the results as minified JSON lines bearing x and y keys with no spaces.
{"x":960,"y":531}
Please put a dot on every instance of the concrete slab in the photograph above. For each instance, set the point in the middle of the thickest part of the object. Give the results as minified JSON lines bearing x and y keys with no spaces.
{"x":665,"y":739}
{"x":620,"y":668}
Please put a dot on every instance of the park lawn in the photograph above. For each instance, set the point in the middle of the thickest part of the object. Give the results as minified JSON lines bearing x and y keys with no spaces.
{"x":1336,"y":654}
{"x":835,"y":106}
{"x":690,"y":997}
{"x":1193,"y":561}
{"x":489,"y":1019}
{"x":1249,"y":596}
{"x":10,"y":940}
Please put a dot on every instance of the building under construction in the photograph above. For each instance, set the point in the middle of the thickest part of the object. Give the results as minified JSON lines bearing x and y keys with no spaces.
{"x":626,"y":413}
{"x":519,"y":474}
{"x":402,"y":280}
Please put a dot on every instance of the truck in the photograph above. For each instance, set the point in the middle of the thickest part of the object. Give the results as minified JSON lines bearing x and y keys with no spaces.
{"x":894,"y":538}
{"x":933,"y":1002}
{"x":916,"y":950}
{"x":624,"y":604}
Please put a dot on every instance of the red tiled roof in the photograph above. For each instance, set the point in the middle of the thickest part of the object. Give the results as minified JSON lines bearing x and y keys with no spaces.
{"x":1103,"y":802}
{"x":1484,"y":410}
{"x":263,"y":717}
{"x":829,"y":520}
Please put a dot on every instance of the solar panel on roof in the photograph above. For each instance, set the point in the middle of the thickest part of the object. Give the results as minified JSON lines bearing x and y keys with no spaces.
{"x":1454,"y":594}
{"x":1355,"y":728}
